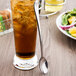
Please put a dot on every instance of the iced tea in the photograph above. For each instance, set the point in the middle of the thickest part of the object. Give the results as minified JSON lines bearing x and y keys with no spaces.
{"x":25,"y":27}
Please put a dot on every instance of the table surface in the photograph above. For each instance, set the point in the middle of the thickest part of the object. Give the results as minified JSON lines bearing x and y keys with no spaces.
{"x":59,"y":50}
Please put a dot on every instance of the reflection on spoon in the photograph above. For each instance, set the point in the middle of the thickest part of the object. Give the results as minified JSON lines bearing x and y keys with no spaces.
{"x":43,"y":64}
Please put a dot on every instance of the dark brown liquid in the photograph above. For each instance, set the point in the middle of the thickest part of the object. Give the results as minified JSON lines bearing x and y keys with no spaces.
{"x":25,"y":29}
{"x":25,"y":44}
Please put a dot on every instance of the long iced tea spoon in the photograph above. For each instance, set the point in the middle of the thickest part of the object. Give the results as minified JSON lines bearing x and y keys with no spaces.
{"x":43,"y":64}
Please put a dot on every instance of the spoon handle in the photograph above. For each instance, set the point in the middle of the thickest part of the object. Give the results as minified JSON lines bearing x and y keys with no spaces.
{"x":39,"y":30}
{"x":40,"y":38}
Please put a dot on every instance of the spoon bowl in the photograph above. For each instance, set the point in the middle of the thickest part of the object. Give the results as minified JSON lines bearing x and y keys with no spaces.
{"x":43,"y":65}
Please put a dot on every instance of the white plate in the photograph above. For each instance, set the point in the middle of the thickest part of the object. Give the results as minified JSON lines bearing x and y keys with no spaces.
{"x":58,"y":22}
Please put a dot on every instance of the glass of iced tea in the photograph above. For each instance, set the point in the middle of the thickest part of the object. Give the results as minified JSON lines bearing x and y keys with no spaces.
{"x":25,"y":32}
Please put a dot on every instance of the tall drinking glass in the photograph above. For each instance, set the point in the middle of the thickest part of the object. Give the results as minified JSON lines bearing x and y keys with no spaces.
{"x":25,"y":32}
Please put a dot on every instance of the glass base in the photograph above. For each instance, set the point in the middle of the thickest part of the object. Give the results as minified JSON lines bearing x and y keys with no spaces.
{"x":25,"y":64}
{"x":48,"y":14}
{"x":6,"y":31}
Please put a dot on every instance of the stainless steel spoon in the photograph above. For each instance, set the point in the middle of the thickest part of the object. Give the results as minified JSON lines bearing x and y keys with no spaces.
{"x":43,"y":64}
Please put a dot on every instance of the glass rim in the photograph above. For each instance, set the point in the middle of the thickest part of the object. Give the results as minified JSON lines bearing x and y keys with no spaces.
{"x":56,"y":4}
